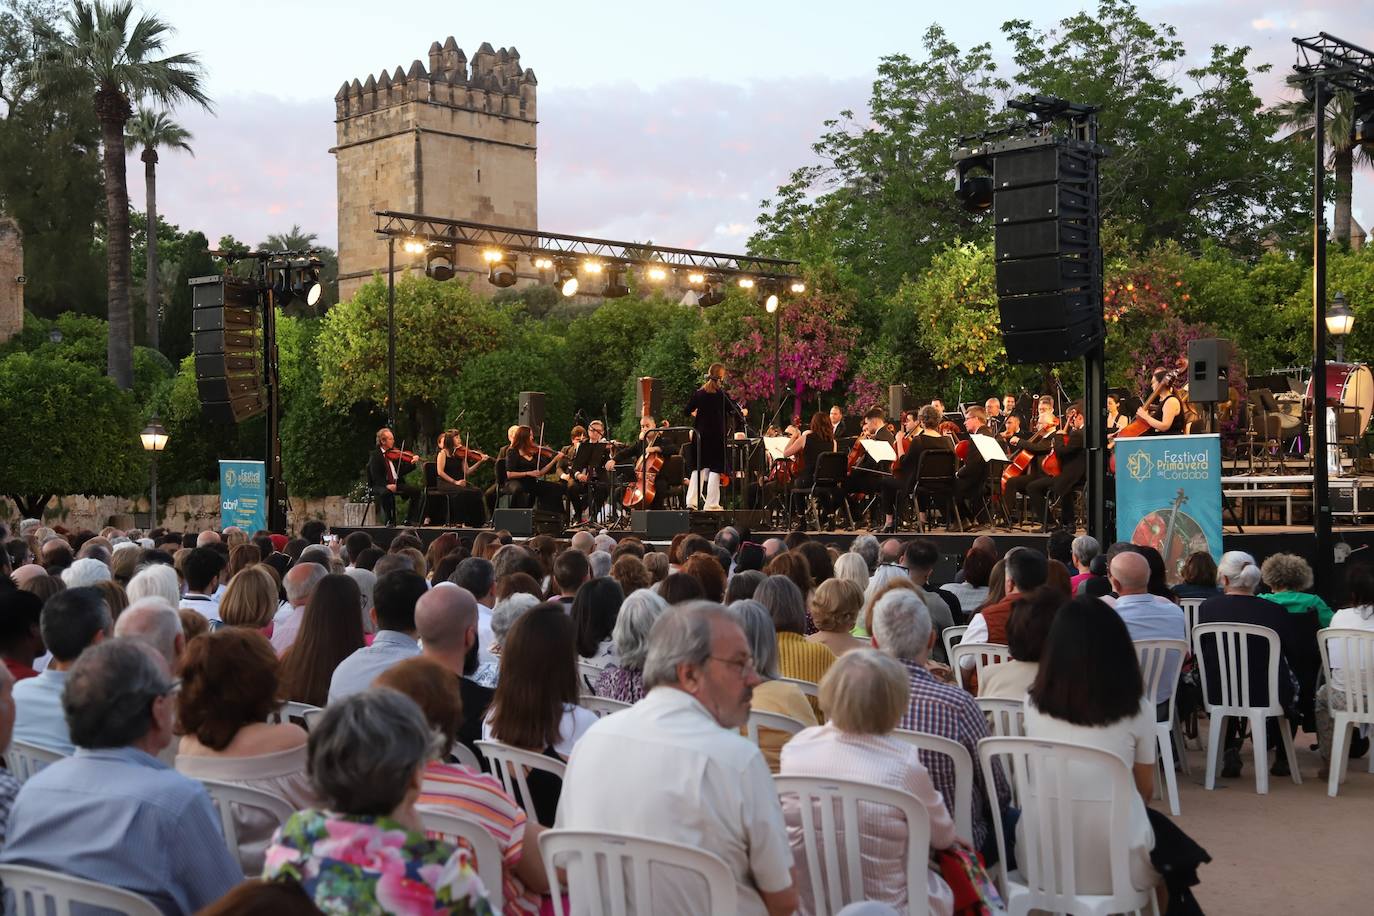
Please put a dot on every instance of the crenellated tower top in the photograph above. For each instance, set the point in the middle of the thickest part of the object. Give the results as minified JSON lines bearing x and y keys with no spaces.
{"x":493,"y":82}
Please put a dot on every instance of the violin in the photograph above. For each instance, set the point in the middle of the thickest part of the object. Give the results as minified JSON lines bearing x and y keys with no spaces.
{"x":470,"y":454}
{"x":400,"y":454}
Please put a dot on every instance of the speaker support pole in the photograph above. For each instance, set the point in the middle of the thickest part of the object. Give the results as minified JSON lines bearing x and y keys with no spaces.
{"x":276,"y":487}
{"x":1095,"y":438}
{"x":1321,"y":494}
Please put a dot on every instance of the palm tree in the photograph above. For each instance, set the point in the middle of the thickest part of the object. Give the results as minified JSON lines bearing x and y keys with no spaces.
{"x":151,"y":129}
{"x":1339,"y":118}
{"x":104,"y":49}
{"x":295,"y":240}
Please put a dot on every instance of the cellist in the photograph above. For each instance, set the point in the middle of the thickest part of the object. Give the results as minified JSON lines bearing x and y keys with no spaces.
{"x":1037,"y":447}
{"x":643,"y":447}
{"x":1171,"y":420}
{"x":1072,"y":460}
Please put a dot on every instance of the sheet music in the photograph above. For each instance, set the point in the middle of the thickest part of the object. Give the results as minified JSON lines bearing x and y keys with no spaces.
{"x":775,"y":446}
{"x":879,"y":450}
{"x":988,"y":447}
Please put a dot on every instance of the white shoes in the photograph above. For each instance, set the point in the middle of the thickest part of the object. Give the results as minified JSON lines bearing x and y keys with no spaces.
{"x":714,"y":507}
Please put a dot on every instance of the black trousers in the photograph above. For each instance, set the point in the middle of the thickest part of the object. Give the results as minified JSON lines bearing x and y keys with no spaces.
{"x":583,"y":495}
{"x":968,"y":491}
{"x":386,"y":502}
{"x":545,"y":494}
{"x":464,"y":505}
{"x":1042,"y":488}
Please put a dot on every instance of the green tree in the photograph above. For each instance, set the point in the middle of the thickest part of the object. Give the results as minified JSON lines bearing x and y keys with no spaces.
{"x":603,"y":348}
{"x":295,"y":239}
{"x":100,"y":456}
{"x":1344,"y":156}
{"x":195,"y":261}
{"x":669,"y":357}
{"x":439,"y":327}
{"x":101,"y":49}
{"x":152,"y":129}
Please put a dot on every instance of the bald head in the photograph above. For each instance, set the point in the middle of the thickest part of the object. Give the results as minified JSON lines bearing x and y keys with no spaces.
{"x":155,"y":622}
{"x":772,"y":547}
{"x":206,"y":538}
{"x":584,"y":541}
{"x":891,"y":550}
{"x":983,"y":542}
{"x":1130,"y":573}
{"x":300,"y":581}
{"x":444,"y":616}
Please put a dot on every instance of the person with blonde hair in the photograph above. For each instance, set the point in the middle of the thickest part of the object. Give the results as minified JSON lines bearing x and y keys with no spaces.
{"x":835,"y":606}
{"x":1289,"y":577}
{"x":250,"y":600}
{"x":865,"y":694}
{"x":853,"y":567}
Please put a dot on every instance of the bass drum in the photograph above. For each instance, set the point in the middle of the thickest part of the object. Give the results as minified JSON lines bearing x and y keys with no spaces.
{"x":1351,"y":385}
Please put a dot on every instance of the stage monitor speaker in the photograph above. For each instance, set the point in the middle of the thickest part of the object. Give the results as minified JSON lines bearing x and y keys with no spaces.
{"x":524,"y":523}
{"x":660,"y":524}
{"x":896,"y":401}
{"x":1209,"y":370}
{"x":532,"y":410}
{"x":654,"y":388}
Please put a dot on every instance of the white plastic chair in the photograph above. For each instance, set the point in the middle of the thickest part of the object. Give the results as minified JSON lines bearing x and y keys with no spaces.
{"x":588,"y":675}
{"x":465,"y":757}
{"x":456,"y":826}
{"x":1046,"y":774}
{"x":758,"y":718}
{"x":1352,"y":651}
{"x":984,"y":654}
{"x":810,"y":688}
{"x":39,"y":891}
{"x":511,"y":765}
{"x":832,"y":865}
{"x":1161,"y":661}
{"x":1233,"y":643}
{"x":963,"y":775}
{"x":1190,"y":606}
{"x":1006,"y":717}
{"x":24,"y":759}
{"x":610,"y":873}
{"x":951,"y":637}
{"x":602,"y":706}
{"x":226,"y":795}
{"x":292,"y":711}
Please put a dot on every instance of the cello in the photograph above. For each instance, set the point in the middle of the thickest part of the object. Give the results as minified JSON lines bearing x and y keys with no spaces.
{"x":1021,"y":461}
{"x":640,"y":492}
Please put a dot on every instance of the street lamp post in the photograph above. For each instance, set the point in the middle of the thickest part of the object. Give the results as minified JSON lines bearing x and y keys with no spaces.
{"x":1340,"y":320}
{"x":154,"y":440}
{"x":771,"y":305}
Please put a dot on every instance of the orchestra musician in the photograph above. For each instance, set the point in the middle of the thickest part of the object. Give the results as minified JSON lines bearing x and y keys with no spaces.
{"x":386,"y":470}
{"x":1171,"y":419}
{"x":452,"y":466}
{"x":494,"y":491}
{"x":1116,"y":421}
{"x":644,"y":446}
{"x":811,"y":443}
{"x":1010,"y":436}
{"x":1069,"y":450}
{"x":867,"y":475}
{"x":1038,"y":445}
{"x":709,"y":412}
{"x":993,"y":408}
{"x":972,"y":477}
{"x":526,"y":464}
{"x":589,"y":485}
{"x":920,"y":434}
{"x":838,"y":424}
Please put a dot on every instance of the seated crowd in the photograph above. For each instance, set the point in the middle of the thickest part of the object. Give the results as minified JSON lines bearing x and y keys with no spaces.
{"x":157,"y":666}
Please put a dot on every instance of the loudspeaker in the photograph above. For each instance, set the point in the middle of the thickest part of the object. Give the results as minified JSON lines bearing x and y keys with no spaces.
{"x":524,"y":523}
{"x":660,"y":524}
{"x":654,"y":389}
{"x":1053,"y":345}
{"x":1209,"y":370}
{"x":226,"y":342}
{"x":532,"y":410}
{"x":896,"y":401}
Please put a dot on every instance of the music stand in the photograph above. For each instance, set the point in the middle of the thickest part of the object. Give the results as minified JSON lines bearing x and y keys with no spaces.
{"x":591,"y":457}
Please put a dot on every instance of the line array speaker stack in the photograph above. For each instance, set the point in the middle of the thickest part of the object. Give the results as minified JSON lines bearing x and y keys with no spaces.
{"x":227,"y":329}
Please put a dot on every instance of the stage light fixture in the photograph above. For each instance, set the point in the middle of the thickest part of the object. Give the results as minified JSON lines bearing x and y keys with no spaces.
{"x":714,"y":293}
{"x":444,"y":270}
{"x":543,"y":263}
{"x":798,"y":287}
{"x":615,"y":283}
{"x":696,"y":278}
{"x":414,"y":246}
{"x":305,"y":281}
{"x":1362,"y":125}
{"x":567,"y":277}
{"x":746,"y":282}
{"x":492,"y":255}
{"x":500,"y":272}
{"x":593,"y":267}
{"x":657,"y":273}
{"x":973,"y":183}
{"x":770,"y":305}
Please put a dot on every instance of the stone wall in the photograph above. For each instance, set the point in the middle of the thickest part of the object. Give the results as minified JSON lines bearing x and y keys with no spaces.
{"x":181,"y":513}
{"x":11,"y":271}
{"x":447,"y":141}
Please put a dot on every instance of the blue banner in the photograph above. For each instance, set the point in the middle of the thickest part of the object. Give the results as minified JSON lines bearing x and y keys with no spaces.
{"x":243,"y":495}
{"x":1168,"y":496}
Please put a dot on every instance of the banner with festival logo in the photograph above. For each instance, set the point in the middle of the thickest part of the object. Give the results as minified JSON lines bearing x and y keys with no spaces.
{"x":243,"y":495}
{"x":1168,"y":496}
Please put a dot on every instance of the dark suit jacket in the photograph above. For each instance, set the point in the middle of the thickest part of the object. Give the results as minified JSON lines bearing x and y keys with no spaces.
{"x":1297,"y":644}
{"x":1073,"y":457}
{"x":377,"y":470}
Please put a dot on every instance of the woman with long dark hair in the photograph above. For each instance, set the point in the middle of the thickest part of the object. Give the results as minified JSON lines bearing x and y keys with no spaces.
{"x":594,"y":610}
{"x":331,"y":630}
{"x":524,"y":472}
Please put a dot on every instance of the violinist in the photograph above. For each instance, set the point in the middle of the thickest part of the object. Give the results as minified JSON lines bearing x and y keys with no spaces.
{"x":838,"y":422}
{"x":993,"y":408}
{"x":1010,"y":436}
{"x":972,"y":477}
{"x":526,"y":464}
{"x":920,"y":434}
{"x":575,"y":439}
{"x":809,"y":444}
{"x":588,"y":485}
{"x":452,"y":466}
{"x":865,"y":474}
{"x":1072,"y":457}
{"x":494,"y":491}
{"x":386,"y":470}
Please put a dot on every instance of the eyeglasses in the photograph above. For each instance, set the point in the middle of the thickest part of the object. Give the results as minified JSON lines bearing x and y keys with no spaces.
{"x":742,"y":666}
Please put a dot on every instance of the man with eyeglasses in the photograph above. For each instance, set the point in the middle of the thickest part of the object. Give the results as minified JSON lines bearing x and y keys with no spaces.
{"x":112,"y":812}
{"x":674,"y":766}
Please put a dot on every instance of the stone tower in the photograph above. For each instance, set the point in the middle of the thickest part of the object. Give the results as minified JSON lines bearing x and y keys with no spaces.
{"x":11,"y":279}
{"x":456,"y":140}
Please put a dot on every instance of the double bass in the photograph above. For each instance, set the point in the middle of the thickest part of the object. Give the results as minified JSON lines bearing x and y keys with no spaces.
{"x":1138,"y":427}
{"x":640,"y":493}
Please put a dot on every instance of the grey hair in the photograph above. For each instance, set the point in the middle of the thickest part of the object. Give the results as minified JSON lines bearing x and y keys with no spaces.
{"x":1239,"y":568}
{"x":784,"y":602}
{"x":638,"y":613}
{"x":681,"y":636}
{"x":318,"y":554}
{"x":867,"y":546}
{"x":600,"y":562}
{"x":364,"y":750}
{"x":109,"y":692}
{"x":1085,"y":547}
{"x":757,"y":624}
{"x":86,"y":571}
{"x":157,"y":580}
{"x":605,"y":542}
{"x":901,"y":624}
{"x":507,"y":611}
{"x":155,"y":622}
{"x":300,"y":584}
{"x":854,"y":567}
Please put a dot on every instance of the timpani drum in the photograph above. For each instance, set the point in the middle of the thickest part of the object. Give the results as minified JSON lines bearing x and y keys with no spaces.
{"x":1350,"y":385}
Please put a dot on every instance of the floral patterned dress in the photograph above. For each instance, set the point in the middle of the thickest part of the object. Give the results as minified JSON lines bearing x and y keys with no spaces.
{"x":372,"y":865}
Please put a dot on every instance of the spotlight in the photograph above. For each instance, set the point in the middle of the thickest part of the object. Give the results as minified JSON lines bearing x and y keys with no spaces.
{"x":492,"y":255}
{"x":770,"y":305}
{"x":593,"y":267}
{"x":414,"y":246}
{"x":973,"y":183}
{"x":542,"y":263}
{"x":746,"y":282}
{"x":657,"y":273}
{"x":567,"y":277}
{"x":615,"y":283}
{"x":281,"y":285}
{"x":696,"y":278}
{"x":500,"y":272}
{"x":305,"y":282}
{"x":1362,"y":126}
{"x":798,"y":287}
{"x":445,"y":269}
{"x":714,"y":293}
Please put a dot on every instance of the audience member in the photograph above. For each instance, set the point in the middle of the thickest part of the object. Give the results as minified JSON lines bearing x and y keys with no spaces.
{"x":793,"y":566}
{"x":835,"y":607}
{"x":535,"y":706}
{"x":797,"y":658}
{"x":1147,"y":616}
{"x":158,"y":624}
{"x":1025,"y":570}
{"x":228,"y":690}
{"x":115,"y":598}
{"x":251,"y":599}
{"x":299,"y":583}
{"x":158,"y":581}
{"x":570,"y":569}
{"x":446,"y":622}
{"x":749,"y":558}
{"x":330,"y":631}
{"x":657,"y":564}
{"x":1359,"y":582}
{"x":113,"y":812}
{"x":867,"y":547}
{"x":818,"y":561}
{"x":242,"y":557}
{"x":854,"y":568}
{"x":770,"y":694}
{"x":720,"y":797}
{"x":367,"y":758}
{"x":21,"y":634}
{"x":679,"y":588}
{"x":1028,"y":627}
{"x":630,"y":572}
{"x":972,"y":591}
{"x":503,"y":617}
{"x":1084,"y":548}
{"x":71,"y":621}
{"x":743,"y":585}
{"x":623,"y":679}
{"x":201,"y":570}
{"x":9,"y":785}
{"x":706,"y":570}
{"x":393,"y":610}
{"x":1288,"y":577}
{"x":86,"y":571}
{"x":866,"y":694}
{"x":583,"y":542}
{"x":1198,"y":578}
{"x":600,"y":564}
{"x":594,"y":611}
{"x":478,"y":576}
{"x":192,"y":623}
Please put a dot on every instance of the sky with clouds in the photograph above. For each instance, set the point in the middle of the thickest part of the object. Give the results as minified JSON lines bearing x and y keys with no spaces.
{"x":667,"y":122}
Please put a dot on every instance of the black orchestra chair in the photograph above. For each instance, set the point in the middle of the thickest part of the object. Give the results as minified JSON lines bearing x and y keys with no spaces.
{"x":826,"y":483}
{"x":935,"y":479}
{"x":504,"y":499}
{"x":994,"y":499}
{"x":433,"y":493}
{"x":669,"y":488}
